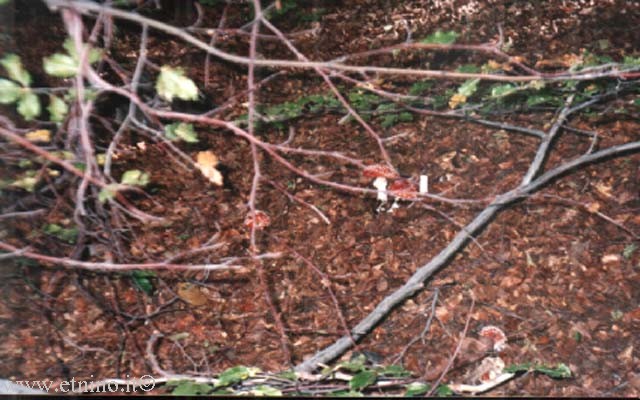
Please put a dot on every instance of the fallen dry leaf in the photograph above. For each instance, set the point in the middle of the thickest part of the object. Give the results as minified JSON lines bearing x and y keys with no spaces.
{"x":603,"y":189}
{"x":471,"y":350}
{"x":192,"y":294}
{"x":626,"y":355}
{"x":207,"y":162}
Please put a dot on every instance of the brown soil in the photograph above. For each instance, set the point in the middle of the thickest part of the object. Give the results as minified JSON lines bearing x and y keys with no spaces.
{"x":550,"y":273}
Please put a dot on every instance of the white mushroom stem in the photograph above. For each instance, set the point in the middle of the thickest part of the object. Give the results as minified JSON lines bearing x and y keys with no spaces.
{"x":380,"y":183}
{"x":424,"y":184}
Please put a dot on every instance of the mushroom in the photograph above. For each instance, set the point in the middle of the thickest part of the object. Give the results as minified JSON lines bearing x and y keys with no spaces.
{"x":494,"y":335}
{"x":262,"y":220}
{"x":381,"y":173}
{"x":380,"y":183}
{"x":379,"y":170}
{"x":403,"y":189}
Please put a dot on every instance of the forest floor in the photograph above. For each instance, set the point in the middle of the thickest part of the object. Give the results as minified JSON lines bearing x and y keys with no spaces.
{"x":552,"y":271}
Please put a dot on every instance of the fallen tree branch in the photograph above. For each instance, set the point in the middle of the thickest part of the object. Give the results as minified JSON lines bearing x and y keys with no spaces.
{"x":416,"y":282}
{"x":226,"y":265}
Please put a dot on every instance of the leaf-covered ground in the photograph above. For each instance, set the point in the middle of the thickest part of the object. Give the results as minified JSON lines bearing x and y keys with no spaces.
{"x":558,"y":272}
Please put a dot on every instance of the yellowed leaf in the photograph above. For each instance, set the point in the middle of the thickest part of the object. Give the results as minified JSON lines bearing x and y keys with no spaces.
{"x":605,"y":190}
{"x":101,"y":158}
{"x":593,"y":207}
{"x":192,"y":294}
{"x":446,"y":161}
{"x":494,"y":65}
{"x":456,"y":100}
{"x":40,"y":135}
{"x":207,"y":162}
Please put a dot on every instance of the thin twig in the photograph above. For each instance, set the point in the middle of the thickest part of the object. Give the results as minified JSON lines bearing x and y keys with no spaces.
{"x":457,"y":350}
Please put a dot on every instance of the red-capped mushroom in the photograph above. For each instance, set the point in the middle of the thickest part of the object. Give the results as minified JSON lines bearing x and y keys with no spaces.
{"x":379,"y":171}
{"x":403,"y":189}
{"x":496,"y":336}
{"x":262,"y":220}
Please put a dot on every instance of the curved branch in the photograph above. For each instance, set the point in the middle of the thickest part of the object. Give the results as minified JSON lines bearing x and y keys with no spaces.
{"x":90,"y":8}
{"x":107,"y":266}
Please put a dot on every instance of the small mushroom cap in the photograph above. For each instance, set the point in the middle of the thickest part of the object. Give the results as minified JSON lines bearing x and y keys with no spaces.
{"x":495,"y":335}
{"x":379,"y":171}
{"x":262,"y":220}
{"x":403,"y":189}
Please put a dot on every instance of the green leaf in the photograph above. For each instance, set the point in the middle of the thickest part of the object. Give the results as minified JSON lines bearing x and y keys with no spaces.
{"x":420,"y":87}
{"x":24,"y":163}
{"x":405,"y":117}
{"x":631,"y":61}
{"x":60,"y":65}
{"x":9,"y":91}
{"x":93,"y":56}
{"x":603,"y":44}
{"x":389,"y":120}
{"x":142,"y":281}
{"x":502,"y":90}
{"x":537,"y":99}
{"x":440,"y":37}
{"x":356,"y":363}
{"x":363,"y":379}
{"x":135,"y":177}
{"x":469,"y":69}
{"x":636,"y":102}
{"x":222,"y":391}
{"x":181,"y":130}
{"x":27,"y":182}
{"x":288,"y":375}
{"x":57,"y":108}
{"x":628,"y":250}
{"x":3,"y":2}
{"x":417,"y":388}
{"x":29,"y":105}
{"x":265,"y":390}
{"x":444,"y":391}
{"x":560,"y":371}
{"x":88,"y":95}
{"x":15,"y":70}
{"x":469,"y":87}
{"x":395,"y":371}
{"x":235,"y":375}
{"x":346,"y":393}
{"x":187,"y":388}
{"x":515,"y":368}
{"x":108,"y":193}
{"x":172,"y":83}
{"x":577,"y":336}
{"x":69,"y":235}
